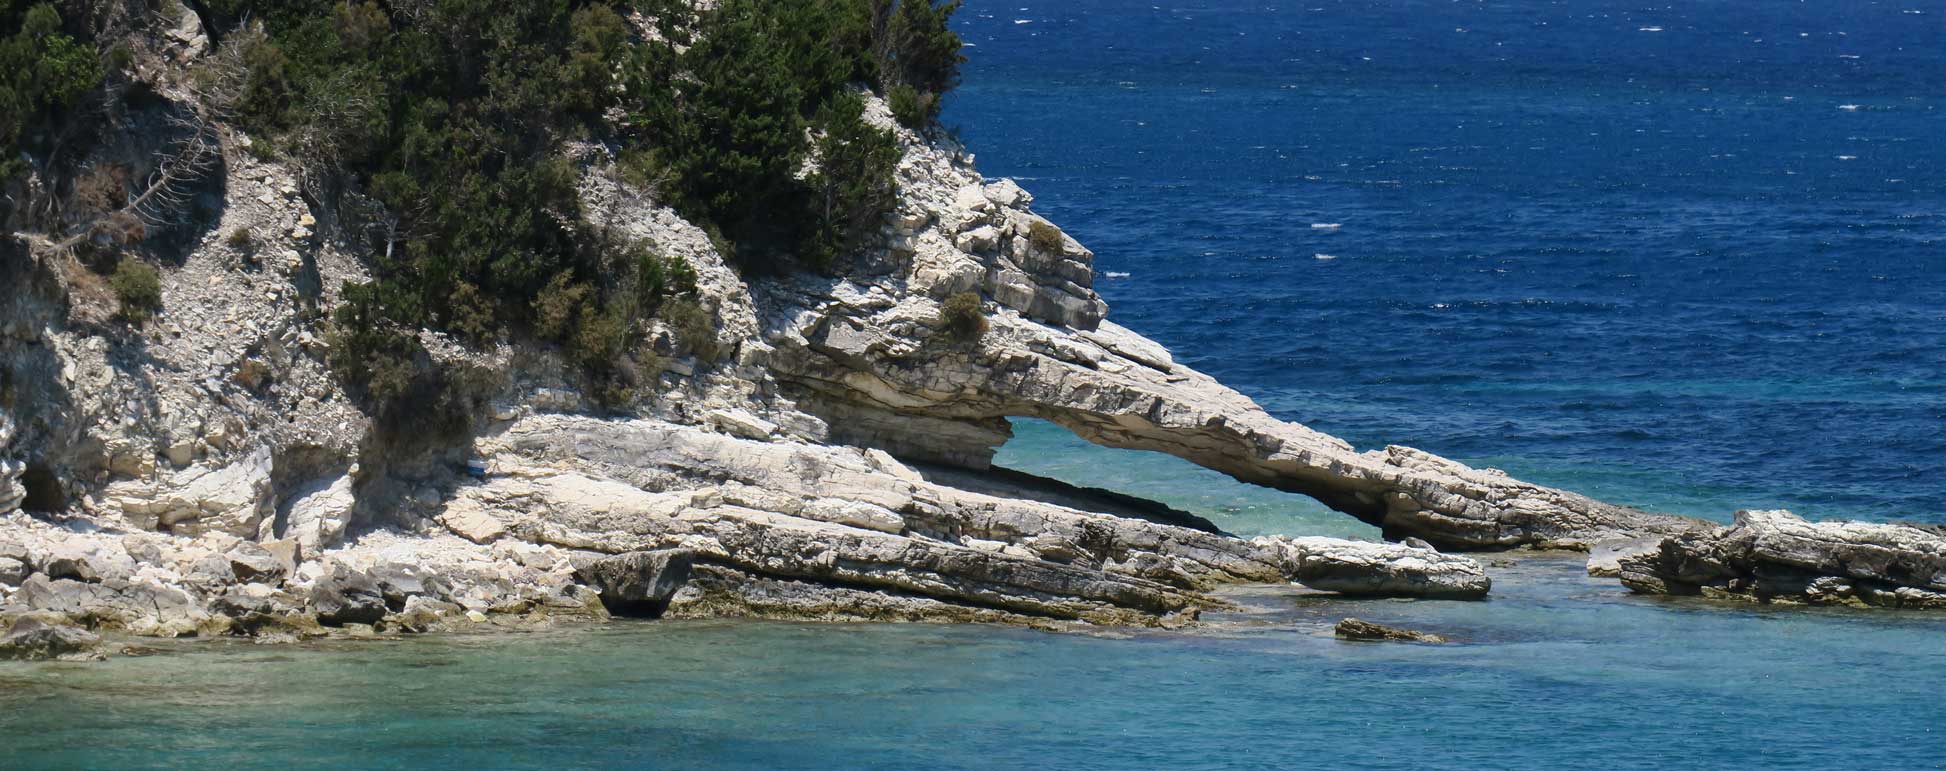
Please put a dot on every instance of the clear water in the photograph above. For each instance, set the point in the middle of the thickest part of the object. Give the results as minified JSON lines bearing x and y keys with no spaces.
{"x":1557,"y":671}
{"x":1628,"y":262}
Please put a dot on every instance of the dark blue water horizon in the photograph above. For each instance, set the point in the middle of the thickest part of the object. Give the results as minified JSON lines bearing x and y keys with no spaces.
{"x":1684,"y":257}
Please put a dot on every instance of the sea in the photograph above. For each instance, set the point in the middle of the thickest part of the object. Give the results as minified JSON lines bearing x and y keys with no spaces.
{"x":1683,"y":256}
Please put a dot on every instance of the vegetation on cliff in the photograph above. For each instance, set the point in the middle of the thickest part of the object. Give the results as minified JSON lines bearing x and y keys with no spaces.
{"x":452,"y":136}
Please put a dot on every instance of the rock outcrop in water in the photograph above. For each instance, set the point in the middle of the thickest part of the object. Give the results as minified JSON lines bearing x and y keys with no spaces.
{"x":826,"y":454}
{"x":1366,"y":631}
{"x":880,"y":367}
{"x":31,"y":639}
{"x":1776,"y":556}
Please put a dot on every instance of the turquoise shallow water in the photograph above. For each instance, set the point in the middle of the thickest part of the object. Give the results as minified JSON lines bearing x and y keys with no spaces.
{"x":1557,"y":671}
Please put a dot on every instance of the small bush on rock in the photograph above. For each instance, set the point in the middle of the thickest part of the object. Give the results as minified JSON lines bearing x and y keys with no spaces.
{"x":138,"y":288}
{"x":962,"y":317}
{"x":695,"y":327}
{"x":1045,"y":238}
{"x":912,"y":109}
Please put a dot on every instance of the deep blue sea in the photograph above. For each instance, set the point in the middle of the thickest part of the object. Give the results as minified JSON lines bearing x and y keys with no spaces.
{"x":1685,"y":256}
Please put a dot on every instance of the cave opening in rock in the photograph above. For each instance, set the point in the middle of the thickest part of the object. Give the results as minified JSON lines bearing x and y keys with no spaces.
{"x":1045,"y":449}
{"x":43,"y":489}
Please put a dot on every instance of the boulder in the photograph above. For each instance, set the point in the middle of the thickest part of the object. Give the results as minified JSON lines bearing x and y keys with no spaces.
{"x":1606,"y":558}
{"x":252,"y":563}
{"x":34,"y":640}
{"x":13,"y":571}
{"x":319,"y":512}
{"x":741,"y":423}
{"x":469,"y":521}
{"x":639,"y":583}
{"x":399,"y":583}
{"x":86,"y":561}
{"x":346,"y":596}
{"x":288,"y":553}
{"x":141,"y":606}
{"x":11,"y":491}
{"x":1379,"y":569}
{"x":1360,"y":629}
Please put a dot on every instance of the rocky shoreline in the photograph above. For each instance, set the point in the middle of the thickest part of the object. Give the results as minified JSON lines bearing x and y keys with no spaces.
{"x":824,"y":454}
{"x":1780,"y":558}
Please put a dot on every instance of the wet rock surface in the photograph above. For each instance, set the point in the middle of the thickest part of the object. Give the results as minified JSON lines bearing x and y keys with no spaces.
{"x":1362,"y":630}
{"x":639,"y":583}
{"x":31,"y":639}
{"x":1778,"y":557}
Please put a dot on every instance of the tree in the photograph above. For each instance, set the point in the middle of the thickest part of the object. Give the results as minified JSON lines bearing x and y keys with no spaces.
{"x":853,"y":186}
{"x":918,"y":49}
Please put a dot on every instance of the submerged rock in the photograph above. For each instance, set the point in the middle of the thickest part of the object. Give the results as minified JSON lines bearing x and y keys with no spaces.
{"x":1360,"y":629}
{"x":1776,"y":556}
{"x":34,"y":640}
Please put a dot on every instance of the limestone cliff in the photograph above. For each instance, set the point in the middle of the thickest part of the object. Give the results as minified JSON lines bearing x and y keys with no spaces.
{"x":205,"y":473}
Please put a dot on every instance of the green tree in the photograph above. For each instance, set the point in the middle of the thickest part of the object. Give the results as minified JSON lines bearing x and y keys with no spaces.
{"x":853,"y":186}
{"x":918,"y":49}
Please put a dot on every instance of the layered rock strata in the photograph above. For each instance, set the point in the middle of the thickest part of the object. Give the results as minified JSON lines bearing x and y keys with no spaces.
{"x":771,"y":511}
{"x":1778,"y":557}
{"x":874,"y":358}
{"x":824,"y":454}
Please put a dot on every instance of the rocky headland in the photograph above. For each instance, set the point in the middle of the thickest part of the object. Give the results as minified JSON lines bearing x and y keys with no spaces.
{"x":825,"y":452}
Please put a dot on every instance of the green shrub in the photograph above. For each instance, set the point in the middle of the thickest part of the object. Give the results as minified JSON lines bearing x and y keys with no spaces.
{"x":472,"y":314}
{"x":600,"y":337}
{"x":138,"y":288}
{"x":963,"y":318}
{"x":912,"y":109}
{"x":456,"y":117}
{"x":695,"y":327}
{"x":558,"y":305}
{"x":919,"y":50}
{"x":853,"y":186}
{"x":240,"y":240}
{"x":369,"y":354}
{"x":1046,"y":238}
{"x":43,"y":71}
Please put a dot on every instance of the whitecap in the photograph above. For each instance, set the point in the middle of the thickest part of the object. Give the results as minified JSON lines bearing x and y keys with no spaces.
{"x":1325,"y":256}
{"x":1114,"y":274}
{"x":1325,"y":226}
{"x":1649,"y":29}
{"x":1848,"y":107}
{"x":1847,"y":56}
{"x":1023,"y":21}
{"x":1847,"y":157}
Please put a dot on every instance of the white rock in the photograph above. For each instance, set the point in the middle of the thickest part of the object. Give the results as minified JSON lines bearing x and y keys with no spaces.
{"x":972,"y":198}
{"x":467,"y":519}
{"x":741,"y":423}
{"x":981,"y":239}
{"x":1007,"y":194}
{"x":320,"y":511}
{"x":855,"y":514}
